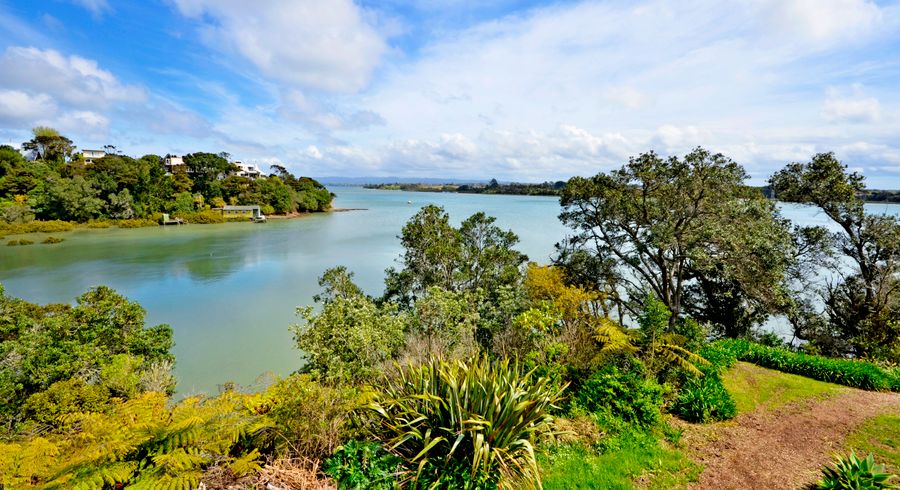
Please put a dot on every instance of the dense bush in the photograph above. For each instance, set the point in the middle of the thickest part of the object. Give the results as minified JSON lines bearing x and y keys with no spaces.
{"x":853,"y":473}
{"x":350,"y":339}
{"x":202,"y":217}
{"x":704,"y":399}
{"x":51,"y":226}
{"x":848,"y":372}
{"x":625,"y":394}
{"x":52,"y":240}
{"x":312,"y":419}
{"x":361,"y":465}
{"x":719,"y":355}
{"x":481,"y":419}
{"x":101,"y":340}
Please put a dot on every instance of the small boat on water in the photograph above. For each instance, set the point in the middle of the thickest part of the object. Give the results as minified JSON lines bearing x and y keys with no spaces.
{"x":259,"y":219}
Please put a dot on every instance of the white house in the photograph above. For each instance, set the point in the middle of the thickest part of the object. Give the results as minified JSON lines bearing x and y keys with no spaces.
{"x":91,"y":155}
{"x":172,"y":162}
{"x":249,"y":170}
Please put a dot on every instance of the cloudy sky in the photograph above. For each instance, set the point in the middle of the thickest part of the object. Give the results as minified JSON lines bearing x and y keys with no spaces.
{"x":525,"y":91}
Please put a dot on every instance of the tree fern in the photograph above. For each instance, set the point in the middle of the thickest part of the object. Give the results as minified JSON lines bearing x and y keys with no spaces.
{"x":140,"y":443}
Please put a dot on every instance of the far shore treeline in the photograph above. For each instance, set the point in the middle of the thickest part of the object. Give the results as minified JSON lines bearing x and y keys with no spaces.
{"x":57,"y":183}
{"x":556,"y":189}
{"x":476,"y":369}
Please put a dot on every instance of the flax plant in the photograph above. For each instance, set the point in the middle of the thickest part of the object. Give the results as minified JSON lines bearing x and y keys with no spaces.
{"x":479,"y":418}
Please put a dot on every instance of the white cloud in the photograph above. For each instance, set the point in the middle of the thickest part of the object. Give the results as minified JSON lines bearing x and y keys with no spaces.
{"x":325,"y":45}
{"x":313,"y":152}
{"x":71,"y":80}
{"x":854,"y":108}
{"x":18,"y":108}
{"x":83,"y":122}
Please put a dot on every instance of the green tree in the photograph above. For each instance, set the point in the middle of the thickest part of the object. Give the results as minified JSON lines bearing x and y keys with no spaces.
{"x":863,"y":311}
{"x":337,"y":282}
{"x":351,"y":337}
{"x":47,"y":144}
{"x":67,"y":199}
{"x":121,"y":205}
{"x":476,"y":256}
{"x":205,"y":169}
{"x":657,"y":225}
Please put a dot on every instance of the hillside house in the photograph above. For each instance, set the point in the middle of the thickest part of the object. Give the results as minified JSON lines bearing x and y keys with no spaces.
{"x":91,"y":155}
{"x":248,"y":170}
{"x":171,"y":162}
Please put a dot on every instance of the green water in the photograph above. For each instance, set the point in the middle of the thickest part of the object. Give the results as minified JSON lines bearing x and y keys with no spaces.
{"x":229,"y":291}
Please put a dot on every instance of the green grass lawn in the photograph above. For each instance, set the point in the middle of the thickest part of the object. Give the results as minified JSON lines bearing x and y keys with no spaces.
{"x":638,"y":461}
{"x":753,"y":386}
{"x":881,"y":437}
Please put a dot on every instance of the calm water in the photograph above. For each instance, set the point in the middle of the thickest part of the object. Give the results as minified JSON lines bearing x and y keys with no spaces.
{"x":229,"y":291}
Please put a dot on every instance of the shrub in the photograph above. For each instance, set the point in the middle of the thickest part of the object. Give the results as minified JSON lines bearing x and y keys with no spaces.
{"x":52,"y":226}
{"x":65,"y":398}
{"x":99,"y":224}
{"x":624,"y":394}
{"x":704,"y":399}
{"x":350,"y":338}
{"x":363,"y":466}
{"x":719,"y":357}
{"x":202,"y":217}
{"x":13,"y":243}
{"x":312,"y":418}
{"x":136,"y":223}
{"x":853,"y":473}
{"x":848,"y":372}
{"x":51,"y":240}
{"x":479,"y":419}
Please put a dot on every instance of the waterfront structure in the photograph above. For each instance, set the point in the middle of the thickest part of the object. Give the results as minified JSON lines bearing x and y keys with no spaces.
{"x":251,"y":212}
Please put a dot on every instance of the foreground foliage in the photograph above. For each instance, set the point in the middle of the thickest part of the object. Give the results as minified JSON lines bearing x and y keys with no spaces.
{"x":853,"y":473}
{"x":139,"y":443}
{"x":481,"y":420}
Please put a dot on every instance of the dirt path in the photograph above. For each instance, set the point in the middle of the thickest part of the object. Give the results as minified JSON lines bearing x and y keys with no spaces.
{"x":785,"y":448}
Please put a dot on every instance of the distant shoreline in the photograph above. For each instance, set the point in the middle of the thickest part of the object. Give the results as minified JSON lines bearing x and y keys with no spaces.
{"x":54,"y":227}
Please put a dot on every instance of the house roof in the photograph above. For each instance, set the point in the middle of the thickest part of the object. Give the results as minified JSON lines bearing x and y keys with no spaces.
{"x":240,"y":208}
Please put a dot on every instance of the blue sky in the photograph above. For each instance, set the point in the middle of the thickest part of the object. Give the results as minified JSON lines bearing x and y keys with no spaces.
{"x":450,"y":88}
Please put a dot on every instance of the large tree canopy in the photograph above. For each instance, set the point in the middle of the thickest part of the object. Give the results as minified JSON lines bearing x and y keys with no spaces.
{"x":863,"y":307}
{"x":685,"y":230}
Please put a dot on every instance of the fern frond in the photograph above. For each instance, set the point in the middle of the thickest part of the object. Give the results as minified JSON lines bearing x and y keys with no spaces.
{"x":681,"y":357}
{"x":246,"y":464}
{"x":613,"y":338}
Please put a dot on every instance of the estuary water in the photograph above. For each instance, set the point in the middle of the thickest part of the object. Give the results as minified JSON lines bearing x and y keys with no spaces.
{"x":230,"y":291}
